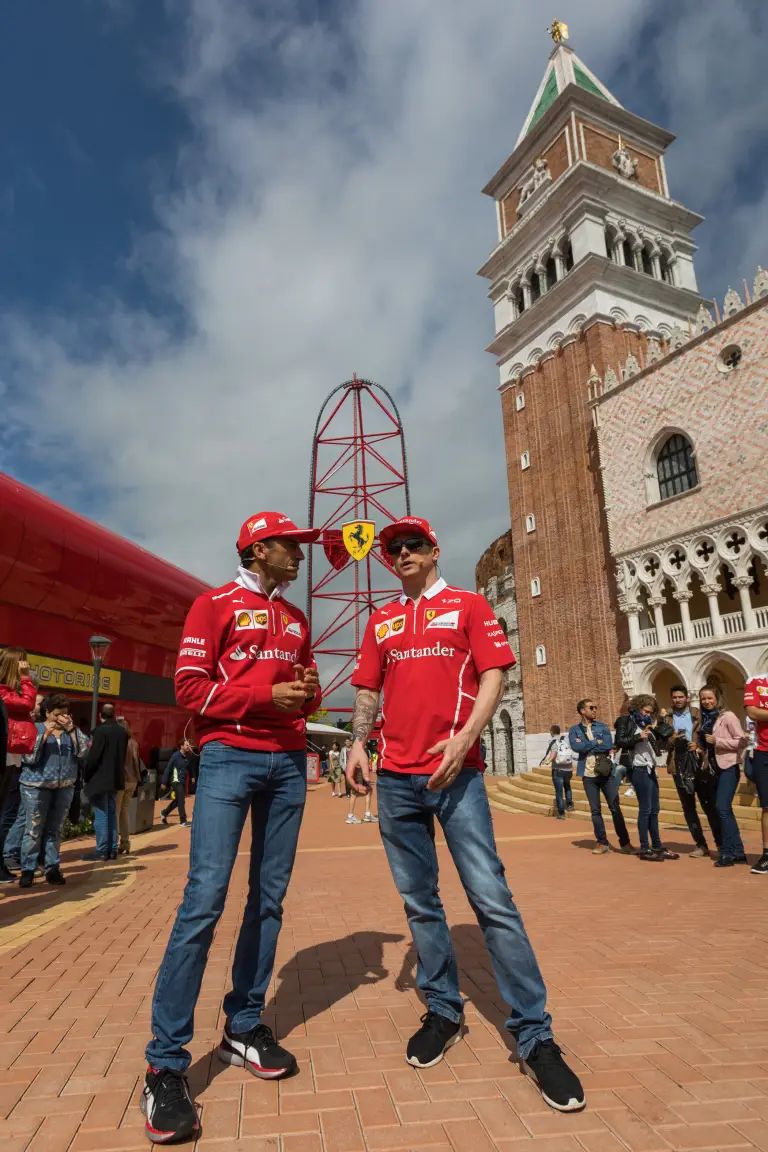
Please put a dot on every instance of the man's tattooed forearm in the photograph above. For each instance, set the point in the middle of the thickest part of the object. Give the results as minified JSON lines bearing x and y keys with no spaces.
{"x":364,"y":715}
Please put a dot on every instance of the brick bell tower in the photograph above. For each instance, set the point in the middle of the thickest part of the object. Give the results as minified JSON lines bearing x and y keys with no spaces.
{"x":594,"y":267}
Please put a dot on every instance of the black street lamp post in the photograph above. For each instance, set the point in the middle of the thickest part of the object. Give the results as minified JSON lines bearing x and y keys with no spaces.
{"x":99,"y":648}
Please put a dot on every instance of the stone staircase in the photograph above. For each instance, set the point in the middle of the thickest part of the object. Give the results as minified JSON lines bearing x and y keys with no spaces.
{"x":533,"y":792}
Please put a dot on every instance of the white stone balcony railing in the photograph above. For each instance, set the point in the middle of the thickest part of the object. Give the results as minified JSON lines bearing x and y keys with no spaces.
{"x":733,"y":625}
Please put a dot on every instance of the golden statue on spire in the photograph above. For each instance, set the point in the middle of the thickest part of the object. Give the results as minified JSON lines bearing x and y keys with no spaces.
{"x":558,"y":31}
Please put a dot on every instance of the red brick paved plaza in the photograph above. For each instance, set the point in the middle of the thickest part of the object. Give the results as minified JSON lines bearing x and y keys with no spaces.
{"x":657,"y":975}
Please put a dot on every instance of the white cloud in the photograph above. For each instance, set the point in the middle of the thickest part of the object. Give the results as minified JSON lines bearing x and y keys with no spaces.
{"x":326,"y":219}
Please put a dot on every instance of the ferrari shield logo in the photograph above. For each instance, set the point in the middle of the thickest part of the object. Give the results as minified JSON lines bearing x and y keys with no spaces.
{"x":358,"y":536}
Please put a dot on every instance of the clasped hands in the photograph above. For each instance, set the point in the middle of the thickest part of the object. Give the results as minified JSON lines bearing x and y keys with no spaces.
{"x":292,"y":695}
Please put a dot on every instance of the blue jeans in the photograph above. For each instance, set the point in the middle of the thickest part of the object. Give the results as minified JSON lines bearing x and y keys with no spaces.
{"x":272,"y":786}
{"x":105,"y":823}
{"x":14,"y":836}
{"x":608,"y":786}
{"x":562,"y":783}
{"x":45,"y":811}
{"x":406,"y":812}
{"x":646,"y":785}
{"x":727,"y":783}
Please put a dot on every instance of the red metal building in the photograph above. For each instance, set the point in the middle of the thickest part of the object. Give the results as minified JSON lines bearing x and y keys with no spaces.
{"x":64,"y":578}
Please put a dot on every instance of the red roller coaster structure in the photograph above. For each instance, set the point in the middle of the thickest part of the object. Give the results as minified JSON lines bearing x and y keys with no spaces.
{"x":358,"y":482}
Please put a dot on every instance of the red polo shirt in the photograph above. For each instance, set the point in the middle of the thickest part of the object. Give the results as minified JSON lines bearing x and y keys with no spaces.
{"x":756,"y":696}
{"x":428,"y":658}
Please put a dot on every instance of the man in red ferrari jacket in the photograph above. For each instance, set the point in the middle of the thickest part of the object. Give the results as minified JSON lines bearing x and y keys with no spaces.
{"x":245,"y":668}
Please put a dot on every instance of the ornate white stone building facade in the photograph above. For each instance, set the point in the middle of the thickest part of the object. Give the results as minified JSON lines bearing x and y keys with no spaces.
{"x":505,"y":743}
{"x":683,"y":441}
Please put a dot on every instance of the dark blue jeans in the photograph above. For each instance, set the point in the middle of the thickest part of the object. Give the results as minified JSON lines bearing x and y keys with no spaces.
{"x":272,"y":787}
{"x":608,"y":786}
{"x":406,"y":814}
{"x":646,"y":785}
{"x":105,"y":823}
{"x":562,"y":783}
{"x":727,"y":783}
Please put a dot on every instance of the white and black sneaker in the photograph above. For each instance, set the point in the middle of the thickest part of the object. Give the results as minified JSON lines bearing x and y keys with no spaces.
{"x":761,"y":867}
{"x":258,"y":1051}
{"x":169,"y":1108}
{"x":560,"y":1087}
{"x":428,"y":1046}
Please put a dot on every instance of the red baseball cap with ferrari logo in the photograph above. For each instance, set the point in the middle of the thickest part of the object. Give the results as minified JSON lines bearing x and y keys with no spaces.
{"x":265,"y":525}
{"x":407,"y":526}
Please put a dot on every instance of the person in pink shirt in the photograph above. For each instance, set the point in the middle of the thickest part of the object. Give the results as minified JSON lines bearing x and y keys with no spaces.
{"x":722,"y":739}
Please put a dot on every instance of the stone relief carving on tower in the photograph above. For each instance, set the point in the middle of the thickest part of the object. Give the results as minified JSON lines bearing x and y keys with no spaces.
{"x":623,"y":162}
{"x":631,"y":367}
{"x":677,"y":337}
{"x":704,"y":320}
{"x":610,"y":380}
{"x":760,"y":285}
{"x":732,"y":303}
{"x":537,"y":178}
{"x":653,"y":351}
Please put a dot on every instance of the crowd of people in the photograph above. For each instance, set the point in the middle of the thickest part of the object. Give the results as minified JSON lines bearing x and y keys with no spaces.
{"x":702,"y":748}
{"x":49,"y":764}
{"x":337,"y":774}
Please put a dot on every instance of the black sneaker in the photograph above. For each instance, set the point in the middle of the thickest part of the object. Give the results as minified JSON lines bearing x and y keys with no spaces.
{"x":761,"y":867}
{"x":560,"y":1087}
{"x":650,"y":854}
{"x":427,"y":1046}
{"x":54,"y":876}
{"x":168,"y":1106}
{"x":27,"y":878}
{"x":668,"y":854}
{"x":725,"y":862}
{"x":740,"y":859}
{"x":6,"y":877}
{"x":258,"y":1051}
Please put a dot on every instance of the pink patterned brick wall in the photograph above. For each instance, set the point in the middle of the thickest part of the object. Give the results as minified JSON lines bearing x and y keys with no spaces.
{"x":724,"y":415}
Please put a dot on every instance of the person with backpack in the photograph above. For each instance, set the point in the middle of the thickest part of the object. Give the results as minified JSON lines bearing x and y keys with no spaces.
{"x":560,"y":756}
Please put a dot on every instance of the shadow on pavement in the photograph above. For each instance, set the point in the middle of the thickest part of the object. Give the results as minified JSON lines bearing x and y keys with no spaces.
{"x":18,"y":904}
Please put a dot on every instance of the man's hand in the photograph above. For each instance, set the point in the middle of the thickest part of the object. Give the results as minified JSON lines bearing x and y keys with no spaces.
{"x":454,"y":751}
{"x":709,"y":739}
{"x":289,"y":696}
{"x":310,"y":678}
{"x":357,"y":764}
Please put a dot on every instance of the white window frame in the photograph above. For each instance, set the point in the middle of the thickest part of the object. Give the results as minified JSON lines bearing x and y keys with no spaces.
{"x":520,"y":401}
{"x":525,"y":460}
{"x":541,"y":655}
{"x":535,"y":586}
{"x":530,"y":522}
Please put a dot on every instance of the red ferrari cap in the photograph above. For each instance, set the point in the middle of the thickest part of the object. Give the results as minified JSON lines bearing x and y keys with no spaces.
{"x":413,"y":525}
{"x":264,"y":525}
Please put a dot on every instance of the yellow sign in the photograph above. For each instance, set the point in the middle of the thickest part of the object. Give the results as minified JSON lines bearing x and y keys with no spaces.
{"x":55,"y":675}
{"x":358,"y":536}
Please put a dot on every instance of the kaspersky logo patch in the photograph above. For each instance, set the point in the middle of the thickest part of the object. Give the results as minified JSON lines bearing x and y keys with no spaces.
{"x":245,"y":619}
{"x":438,"y":619}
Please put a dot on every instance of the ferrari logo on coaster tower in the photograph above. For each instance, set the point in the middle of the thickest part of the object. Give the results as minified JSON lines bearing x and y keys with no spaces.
{"x":358,"y":483}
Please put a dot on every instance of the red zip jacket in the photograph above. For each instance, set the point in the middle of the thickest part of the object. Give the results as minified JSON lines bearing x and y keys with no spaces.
{"x":19,"y":705}
{"x":237,"y":643}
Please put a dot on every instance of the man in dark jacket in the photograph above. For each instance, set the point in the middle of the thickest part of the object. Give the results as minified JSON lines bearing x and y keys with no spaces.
{"x":180,"y":765}
{"x":104,"y":778}
{"x":693,"y":775}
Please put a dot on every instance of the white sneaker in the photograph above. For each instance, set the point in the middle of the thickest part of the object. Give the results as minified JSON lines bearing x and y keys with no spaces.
{"x":629,"y":794}
{"x":369,"y":818}
{"x":353,"y":819}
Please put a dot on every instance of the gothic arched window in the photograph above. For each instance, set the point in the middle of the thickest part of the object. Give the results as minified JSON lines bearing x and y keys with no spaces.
{"x":551,"y":272}
{"x":568,"y":256}
{"x":647,"y":263}
{"x":666,"y":268}
{"x":676,"y":467}
{"x":628,"y":257}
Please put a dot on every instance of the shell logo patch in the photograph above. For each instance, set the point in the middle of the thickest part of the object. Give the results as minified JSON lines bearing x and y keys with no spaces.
{"x":445,"y":619}
{"x":249,"y":619}
{"x":382,"y":632}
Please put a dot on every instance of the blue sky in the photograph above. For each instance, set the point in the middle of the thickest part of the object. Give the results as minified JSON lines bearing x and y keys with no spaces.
{"x":213,"y":211}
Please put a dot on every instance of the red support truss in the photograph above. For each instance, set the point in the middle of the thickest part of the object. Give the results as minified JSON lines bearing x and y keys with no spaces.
{"x":359,"y":473}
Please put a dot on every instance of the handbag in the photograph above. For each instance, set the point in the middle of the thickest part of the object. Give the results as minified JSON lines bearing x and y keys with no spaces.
{"x":603,"y":764}
{"x":22,"y":736}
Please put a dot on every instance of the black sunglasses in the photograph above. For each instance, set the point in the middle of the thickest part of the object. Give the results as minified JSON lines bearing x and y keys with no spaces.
{"x":413,"y":544}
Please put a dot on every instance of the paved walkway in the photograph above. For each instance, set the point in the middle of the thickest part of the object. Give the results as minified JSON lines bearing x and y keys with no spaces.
{"x":658,"y":981}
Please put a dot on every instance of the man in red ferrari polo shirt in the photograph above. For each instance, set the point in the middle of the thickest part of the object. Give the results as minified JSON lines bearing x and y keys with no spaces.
{"x":439,"y":656}
{"x":246,"y":670}
{"x":756,"y":705}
